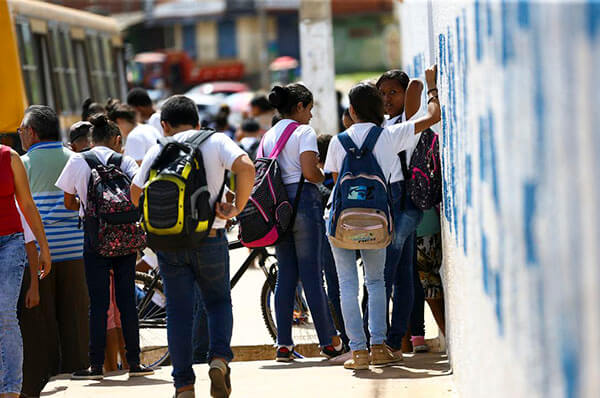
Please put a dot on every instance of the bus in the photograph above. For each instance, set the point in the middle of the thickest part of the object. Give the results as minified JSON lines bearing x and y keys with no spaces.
{"x":56,"y":56}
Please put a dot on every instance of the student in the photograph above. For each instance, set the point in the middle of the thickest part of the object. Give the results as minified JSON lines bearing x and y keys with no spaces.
{"x":140,"y":101}
{"x":89,"y":108}
{"x":208,"y":263}
{"x":138,"y":138}
{"x":347,"y":119}
{"x":299,"y":252}
{"x":14,"y":185}
{"x":64,"y":295}
{"x":74,"y":180}
{"x":262,"y":110}
{"x":401,"y":99}
{"x":79,"y":140}
{"x":366,"y":109}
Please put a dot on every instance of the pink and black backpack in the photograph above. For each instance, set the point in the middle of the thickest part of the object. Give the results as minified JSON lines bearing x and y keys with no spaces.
{"x":269,"y":214}
{"x":424,"y":175}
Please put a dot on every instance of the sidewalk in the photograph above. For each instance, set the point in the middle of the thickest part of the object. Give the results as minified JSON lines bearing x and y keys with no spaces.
{"x":423,"y":375}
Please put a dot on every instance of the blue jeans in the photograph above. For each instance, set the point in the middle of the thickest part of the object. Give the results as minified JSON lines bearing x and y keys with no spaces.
{"x":333,"y":285}
{"x":298,"y":255}
{"x":374,"y":263}
{"x":12,"y":265}
{"x":208,"y":266}
{"x":97,"y":271}
{"x":200,"y":339}
{"x":399,"y":268}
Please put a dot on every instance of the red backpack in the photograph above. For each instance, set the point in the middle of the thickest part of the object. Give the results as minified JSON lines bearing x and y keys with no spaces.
{"x":111,"y":221}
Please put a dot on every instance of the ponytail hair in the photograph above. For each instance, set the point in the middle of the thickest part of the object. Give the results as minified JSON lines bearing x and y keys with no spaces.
{"x":285,"y":99}
{"x":367,"y":103}
{"x":89,"y":108}
{"x":103,"y":129}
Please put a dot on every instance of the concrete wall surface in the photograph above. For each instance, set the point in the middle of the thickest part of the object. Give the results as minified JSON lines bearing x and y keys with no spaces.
{"x":519,"y":92}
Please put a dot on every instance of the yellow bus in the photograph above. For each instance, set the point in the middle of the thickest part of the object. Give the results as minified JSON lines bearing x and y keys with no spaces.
{"x":55,"y":56}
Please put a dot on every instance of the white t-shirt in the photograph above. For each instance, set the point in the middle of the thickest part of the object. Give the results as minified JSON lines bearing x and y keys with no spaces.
{"x":397,"y":167}
{"x":154,"y":121}
{"x":392,"y":140}
{"x":75,"y":176}
{"x":304,"y":139}
{"x":140,"y":140}
{"x":218,"y":152}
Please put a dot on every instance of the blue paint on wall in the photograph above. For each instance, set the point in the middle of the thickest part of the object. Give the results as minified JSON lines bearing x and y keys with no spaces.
{"x":485,"y":264}
{"x":498,"y":303}
{"x":465,"y":233}
{"x":490,"y":25}
{"x":469,"y":179}
{"x":441,"y":52}
{"x":569,"y":361}
{"x":523,"y":13}
{"x":482,"y":148}
{"x":478,"y":31}
{"x":593,"y":18}
{"x":508,"y":51}
{"x":493,"y":161}
{"x":529,"y":203}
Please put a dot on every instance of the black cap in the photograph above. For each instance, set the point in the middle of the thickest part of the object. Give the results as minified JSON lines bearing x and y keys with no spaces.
{"x":78,"y":130}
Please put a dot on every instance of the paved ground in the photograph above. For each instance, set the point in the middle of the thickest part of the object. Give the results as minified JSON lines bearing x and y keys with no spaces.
{"x":423,"y":375}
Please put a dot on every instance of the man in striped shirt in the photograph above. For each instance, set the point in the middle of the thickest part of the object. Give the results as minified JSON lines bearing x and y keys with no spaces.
{"x":62,"y":315}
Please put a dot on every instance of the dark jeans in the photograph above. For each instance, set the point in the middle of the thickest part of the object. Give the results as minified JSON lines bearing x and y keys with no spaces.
{"x":417,"y":315}
{"x":333,"y":285}
{"x":63,"y":315}
{"x":298,"y":255}
{"x":97,"y":271}
{"x":208,"y":266}
{"x":200,"y":339}
{"x":399,"y":264}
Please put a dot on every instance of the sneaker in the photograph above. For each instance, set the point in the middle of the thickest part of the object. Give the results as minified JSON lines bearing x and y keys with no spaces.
{"x":220,"y":380}
{"x":359,"y":361}
{"x":418,"y":343}
{"x":92,"y":373}
{"x":139,"y":370}
{"x":381,"y":354}
{"x":284,"y":354}
{"x":330,"y":351}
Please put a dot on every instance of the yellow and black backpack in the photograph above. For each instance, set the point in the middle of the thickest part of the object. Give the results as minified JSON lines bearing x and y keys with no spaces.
{"x":176,"y":212}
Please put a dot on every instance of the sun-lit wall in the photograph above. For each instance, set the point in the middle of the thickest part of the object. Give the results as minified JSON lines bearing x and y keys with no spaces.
{"x":521,"y":163}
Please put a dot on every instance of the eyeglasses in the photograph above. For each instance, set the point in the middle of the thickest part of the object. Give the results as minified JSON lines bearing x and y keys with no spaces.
{"x":21,"y":130}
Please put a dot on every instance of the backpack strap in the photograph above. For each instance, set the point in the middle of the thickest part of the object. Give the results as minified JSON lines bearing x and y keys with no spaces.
{"x":201,"y":136}
{"x":91,"y":159}
{"x":115,"y":159}
{"x":371,"y":140}
{"x":406,"y":174}
{"x":349,"y":145}
{"x":280,"y":144}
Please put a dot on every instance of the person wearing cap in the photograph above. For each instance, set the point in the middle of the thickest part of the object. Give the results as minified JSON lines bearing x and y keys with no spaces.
{"x":62,"y":313}
{"x":79,"y":140}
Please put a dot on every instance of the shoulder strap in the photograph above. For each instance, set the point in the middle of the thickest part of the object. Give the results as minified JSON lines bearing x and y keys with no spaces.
{"x":404,"y":165}
{"x":201,"y":136}
{"x":280,"y":144}
{"x":371,"y":139}
{"x":349,"y":145}
{"x":164,"y":140}
{"x":91,"y":159}
{"x":115,"y":159}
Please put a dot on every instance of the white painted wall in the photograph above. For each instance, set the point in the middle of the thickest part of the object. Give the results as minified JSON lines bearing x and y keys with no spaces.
{"x":519,"y":92}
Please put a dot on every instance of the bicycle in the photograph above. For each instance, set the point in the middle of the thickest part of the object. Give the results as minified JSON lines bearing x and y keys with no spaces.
{"x":153,"y":316}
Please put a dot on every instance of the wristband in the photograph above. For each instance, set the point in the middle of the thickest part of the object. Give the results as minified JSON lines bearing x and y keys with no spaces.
{"x":432,"y":98}
{"x":431,"y":89}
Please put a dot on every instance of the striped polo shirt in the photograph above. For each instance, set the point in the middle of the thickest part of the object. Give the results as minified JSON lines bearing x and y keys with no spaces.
{"x":44,"y":162}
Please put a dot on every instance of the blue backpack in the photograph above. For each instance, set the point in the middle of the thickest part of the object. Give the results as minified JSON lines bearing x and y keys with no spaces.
{"x":360,"y":213}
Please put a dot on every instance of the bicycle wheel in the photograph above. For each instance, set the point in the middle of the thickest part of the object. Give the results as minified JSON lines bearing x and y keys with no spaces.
{"x":150,"y":303}
{"x":303,"y":328}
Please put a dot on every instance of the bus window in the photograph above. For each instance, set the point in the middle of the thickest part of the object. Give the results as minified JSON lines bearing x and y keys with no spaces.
{"x":108,"y":67}
{"x":120,"y":69}
{"x":42,"y":44}
{"x":82,"y":69}
{"x":58,"y":71}
{"x":29,"y":54}
{"x":98,"y":84}
{"x":69,"y":68}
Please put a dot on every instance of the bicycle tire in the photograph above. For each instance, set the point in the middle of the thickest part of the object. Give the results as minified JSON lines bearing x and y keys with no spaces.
{"x":146,"y":281}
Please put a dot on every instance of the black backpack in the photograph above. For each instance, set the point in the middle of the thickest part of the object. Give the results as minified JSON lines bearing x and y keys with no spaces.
{"x":175,"y":201}
{"x":424,"y":176}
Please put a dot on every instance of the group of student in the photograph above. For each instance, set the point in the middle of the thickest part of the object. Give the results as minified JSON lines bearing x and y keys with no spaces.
{"x":116,"y":135}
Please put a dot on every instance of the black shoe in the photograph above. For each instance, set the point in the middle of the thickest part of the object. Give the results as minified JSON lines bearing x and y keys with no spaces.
{"x":220,"y":379}
{"x":139,"y":370}
{"x":330,"y":351}
{"x":93,"y":373}
{"x":284,"y":355}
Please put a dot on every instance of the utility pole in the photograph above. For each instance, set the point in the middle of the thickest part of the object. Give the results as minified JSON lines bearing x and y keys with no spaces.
{"x":318,"y":68}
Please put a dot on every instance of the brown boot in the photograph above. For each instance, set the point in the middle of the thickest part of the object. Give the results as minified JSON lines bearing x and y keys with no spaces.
{"x":382,"y":355}
{"x":359,"y":361}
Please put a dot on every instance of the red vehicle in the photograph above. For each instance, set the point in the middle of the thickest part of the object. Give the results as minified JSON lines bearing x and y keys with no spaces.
{"x":177,"y":71}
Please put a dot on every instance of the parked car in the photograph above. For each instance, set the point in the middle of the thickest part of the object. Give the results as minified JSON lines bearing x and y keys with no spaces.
{"x":226,"y":88}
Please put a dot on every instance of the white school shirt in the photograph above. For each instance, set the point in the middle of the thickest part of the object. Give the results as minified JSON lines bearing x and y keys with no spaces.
{"x":154,"y":121}
{"x":392,"y":140}
{"x":218,"y":153}
{"x":396,"y":174}
{"x":140,"y":140}
{"x":303,"y":139}
{"x":75,"y":176}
